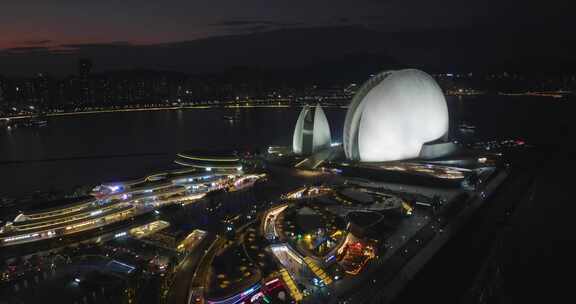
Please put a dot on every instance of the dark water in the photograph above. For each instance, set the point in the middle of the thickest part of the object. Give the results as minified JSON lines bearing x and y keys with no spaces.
{"x":144,"y":142}
{"x":94,"y":148}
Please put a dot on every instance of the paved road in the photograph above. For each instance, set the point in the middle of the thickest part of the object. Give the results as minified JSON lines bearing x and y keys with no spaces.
{"x":183,"y":279}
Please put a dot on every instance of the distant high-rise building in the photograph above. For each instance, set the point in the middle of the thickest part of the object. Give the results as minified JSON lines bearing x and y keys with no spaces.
{"x":84,"y":69}
{"x":2,"y":84}
{"x":42,"y":89}
{"x":25,"y":92}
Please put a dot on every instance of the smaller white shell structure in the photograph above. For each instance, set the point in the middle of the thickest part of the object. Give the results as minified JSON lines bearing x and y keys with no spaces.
{"x":312,"y":131}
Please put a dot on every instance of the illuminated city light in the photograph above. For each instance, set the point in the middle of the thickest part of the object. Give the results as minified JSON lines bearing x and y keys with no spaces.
{"x":256,"y":297}
{"x":21,"y":237}
{"x":97,"y":212}
{"x":272,"y":281}
{"x":250,"y":290}
{"x":114,"y":188}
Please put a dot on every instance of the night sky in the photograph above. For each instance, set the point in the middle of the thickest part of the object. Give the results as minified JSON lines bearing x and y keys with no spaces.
{"x":207,"y":35}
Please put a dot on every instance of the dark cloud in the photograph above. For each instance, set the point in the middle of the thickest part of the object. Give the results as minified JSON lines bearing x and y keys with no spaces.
{"x":377,"y":17}
{"x":37,"y":42}
{"x":26,"y":50}
{"x":253,"y":26}
{"x":258,"y":28}
{"x":243,"y":23}
{"x":66,"y":48}
{"x":97,"y":45}
{"x":63,"y":52}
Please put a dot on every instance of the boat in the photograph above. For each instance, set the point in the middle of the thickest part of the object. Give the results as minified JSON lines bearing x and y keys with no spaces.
{"x":467,"y":128}
{"x":231,"y":118}
{"x":37,"y":121}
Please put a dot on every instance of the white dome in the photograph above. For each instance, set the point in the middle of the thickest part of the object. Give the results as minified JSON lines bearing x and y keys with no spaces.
{"x":312,"y":131}
{"x":393,"y":115}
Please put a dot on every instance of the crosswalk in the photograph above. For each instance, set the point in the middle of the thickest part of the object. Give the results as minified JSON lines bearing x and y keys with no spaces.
{"x":317,"y":271}
{"x":294,"y":291}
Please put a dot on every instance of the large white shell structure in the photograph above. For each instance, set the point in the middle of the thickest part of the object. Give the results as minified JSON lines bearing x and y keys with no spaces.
{"x":393,"y":115}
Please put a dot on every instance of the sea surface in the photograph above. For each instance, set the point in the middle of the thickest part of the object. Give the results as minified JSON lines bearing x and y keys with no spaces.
{"x":93,"y":148}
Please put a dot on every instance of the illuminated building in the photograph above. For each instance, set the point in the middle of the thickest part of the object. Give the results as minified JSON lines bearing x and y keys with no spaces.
{"x":393,"y":115}
{"x":115,"y":202}
{"x":221,"y":161}
{"x":312,"y":131}
{"x":176,"y":239}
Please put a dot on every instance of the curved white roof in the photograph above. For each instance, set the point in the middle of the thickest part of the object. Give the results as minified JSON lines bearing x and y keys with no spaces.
{"x":392,"y":115}
{"x":297,"y":138}
{"x":312,"y":131}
